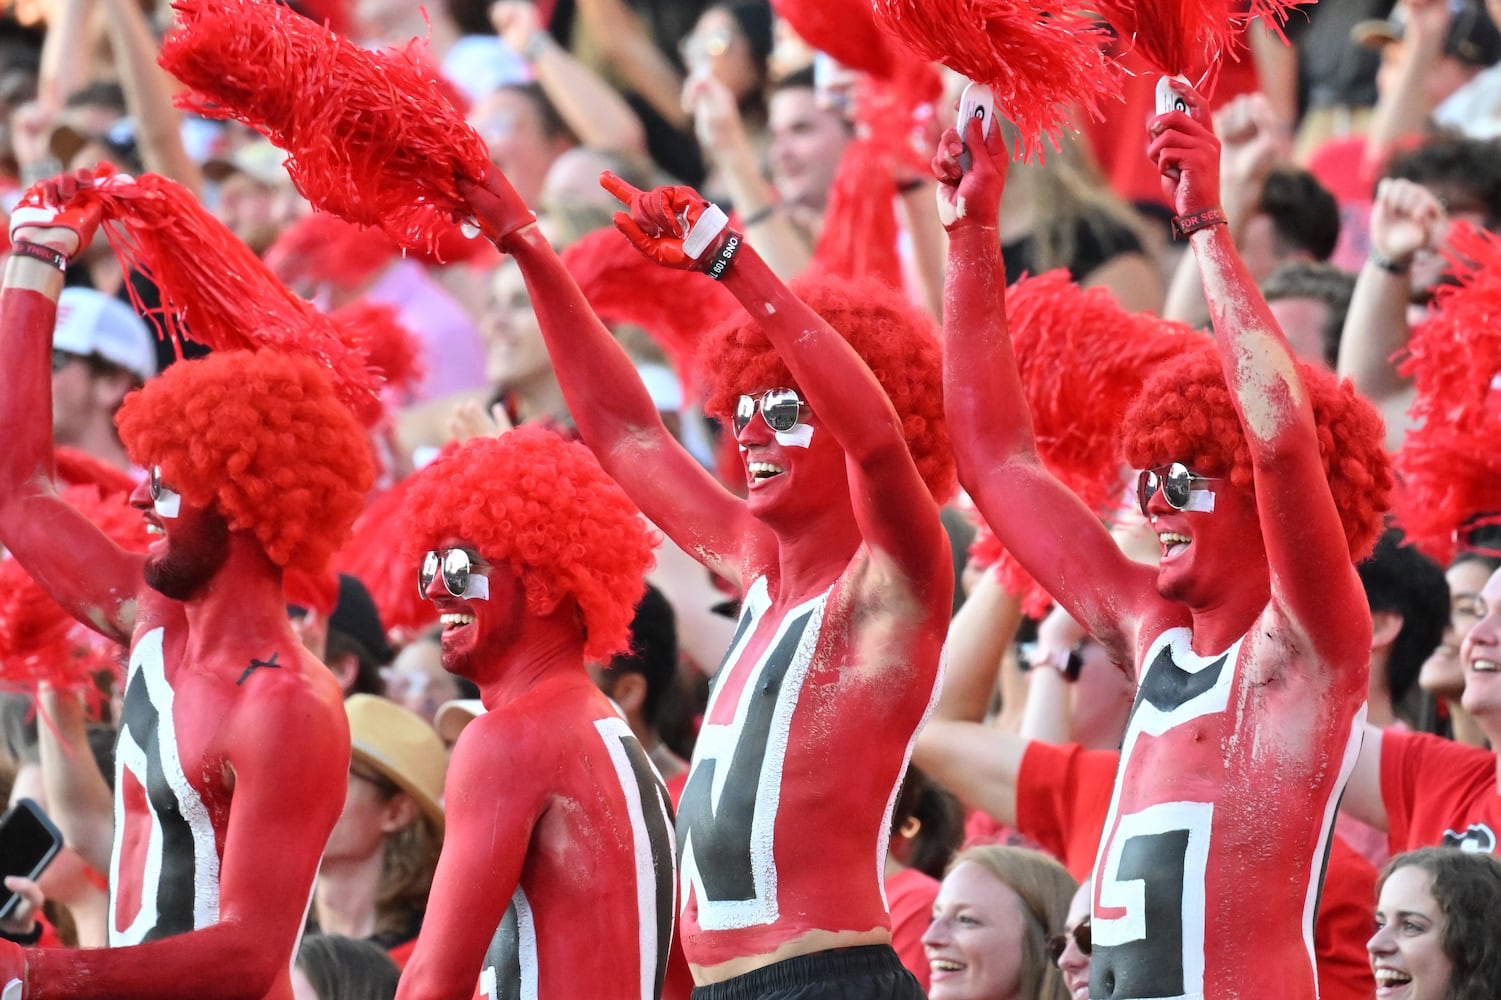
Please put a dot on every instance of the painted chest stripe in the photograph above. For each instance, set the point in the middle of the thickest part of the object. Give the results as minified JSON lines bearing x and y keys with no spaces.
{"x":147,"y":667}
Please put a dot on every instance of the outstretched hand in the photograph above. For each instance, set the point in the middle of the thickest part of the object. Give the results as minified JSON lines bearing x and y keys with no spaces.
{"x":973,"y":196}
{"x":675,"y":226}
{"x":63,"y":212}
{"x":1187,"y":153}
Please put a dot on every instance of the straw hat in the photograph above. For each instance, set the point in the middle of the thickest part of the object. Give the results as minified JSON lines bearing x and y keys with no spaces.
{"x":453,"y":716}
{"x":400,"y":746}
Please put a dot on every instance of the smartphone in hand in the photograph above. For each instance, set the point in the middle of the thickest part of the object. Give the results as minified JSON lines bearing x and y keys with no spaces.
{"x":28,"y":843}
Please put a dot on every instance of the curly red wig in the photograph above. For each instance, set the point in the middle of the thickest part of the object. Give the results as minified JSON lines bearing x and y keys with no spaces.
{"x":892,"y":336}
{"x":1184,"y":413}
{"x":544,"y":506}
{"x":262,"y":437}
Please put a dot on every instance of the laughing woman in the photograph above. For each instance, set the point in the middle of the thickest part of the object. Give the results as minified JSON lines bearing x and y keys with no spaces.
{"x":1435,"y":936}
{"x":995,"y":913}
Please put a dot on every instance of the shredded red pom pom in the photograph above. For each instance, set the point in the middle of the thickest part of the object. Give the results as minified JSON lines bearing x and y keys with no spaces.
{"x":39,"y":641}
{"x":319,"y":591}
{"x":390,"y":349}
{"x":371,"y":135}
{"x":374,"y":555}
{"x":1190,"y":37}
{"x":1043,"y":65}
{"x":1082,"y":359}
{"x":322,"y":249}
{"x":1449,"y":468}
{"x":213,"y":287}
{"x":623,"y":286}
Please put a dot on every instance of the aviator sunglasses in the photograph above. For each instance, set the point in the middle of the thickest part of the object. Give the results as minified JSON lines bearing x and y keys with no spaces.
{"x":1176,"y":482}
{"x":780,"y":408}
{"x":460,"y":577}
{"x":1058,"y":943}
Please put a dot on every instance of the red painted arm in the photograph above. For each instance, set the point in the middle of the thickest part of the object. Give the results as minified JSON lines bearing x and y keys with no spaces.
{"x":1312,"y":576}
{"x":1039,"y":520}
{"x":893,"y":509}
{"x":85,"y":572}
{"x":606,"y":398}
{"x":287,"y":743}
{"x":488,"y":830}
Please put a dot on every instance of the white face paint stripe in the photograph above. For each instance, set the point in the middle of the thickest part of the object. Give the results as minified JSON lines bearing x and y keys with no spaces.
{"x":168,"y":503}
{"x":478,"y":588}
{"x":1200,"y":500}
{"x":800,"y":436}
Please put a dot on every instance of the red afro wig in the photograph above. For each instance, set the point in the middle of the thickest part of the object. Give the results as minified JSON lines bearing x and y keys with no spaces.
{"x":544,"y":506}
{"x":1184,"y":413}
{"x":895,"y":339}
{"x":262,"y":437}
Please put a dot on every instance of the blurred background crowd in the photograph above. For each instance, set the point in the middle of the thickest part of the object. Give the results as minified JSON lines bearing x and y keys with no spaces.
{"x":1348,"y":151}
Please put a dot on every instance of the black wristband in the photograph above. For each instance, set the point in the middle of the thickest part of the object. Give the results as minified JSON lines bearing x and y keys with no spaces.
{"x":1184,"y":225}
{"x":721,"y":262}
{"x":1388,"y":265}
{"x":31,"y":938}
{"x":36,"y":251}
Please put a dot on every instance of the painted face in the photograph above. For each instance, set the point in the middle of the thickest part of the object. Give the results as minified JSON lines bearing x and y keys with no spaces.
{"x":515,"y":353}
{"x":477,"y":632}
{"x":193,"y":544}
{"x":1480,"y":653}
{"x":1206,"y":551}
{"x":974,"y":943}
{"x":1074,"y":960}
{"x":1442,"y":673}
{"x":791,"y":475}
{"x":1407,"y":954}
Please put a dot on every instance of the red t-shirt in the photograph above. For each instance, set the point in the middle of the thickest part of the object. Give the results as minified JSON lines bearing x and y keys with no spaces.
{"x":909,"y":896}
{"x":1438,"y":793}
{"x":1062,"y":798}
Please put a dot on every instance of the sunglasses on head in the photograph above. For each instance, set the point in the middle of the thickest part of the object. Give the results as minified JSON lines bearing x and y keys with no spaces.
{"x":1058,"y":943}
{"x":1175,"y":481}
{"x":460,"y":578}
{"x":780,"y":408}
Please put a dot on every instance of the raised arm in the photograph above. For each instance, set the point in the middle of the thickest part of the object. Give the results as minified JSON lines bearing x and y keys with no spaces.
{"x":486,"y":836}
{"x":148,"y":94}
{"x":1039,"y":520}
{"x":85,"y":572}
{"x":79,"y":799}
{"x":1312,"y":576}
{"x":893,"y":509}
{"x":606,"y":398}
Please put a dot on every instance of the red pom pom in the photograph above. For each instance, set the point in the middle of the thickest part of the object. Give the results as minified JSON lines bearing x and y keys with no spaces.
{"x":374,"y":555}
{"x":1082,"y":359}
{"x":390,"y":349}
{"x":323,"y":249}
{"x":319,"y":591}
{"x":214,"y":288}
{"x":1043,"y":65}
{"x":371,"y":135}
{"x":623,"y":286}
{"x":859,"y":226}
{"x":73,"y":467}
{"x":844,"y":29}
{"x":1449,"y":469}
{"x":1190,"y":37}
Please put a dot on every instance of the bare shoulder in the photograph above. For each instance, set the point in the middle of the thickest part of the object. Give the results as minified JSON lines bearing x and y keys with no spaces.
{"x":288,"y":696}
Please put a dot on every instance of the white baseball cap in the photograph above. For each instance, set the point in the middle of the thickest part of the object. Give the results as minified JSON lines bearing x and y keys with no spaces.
{"x":90,"y":322}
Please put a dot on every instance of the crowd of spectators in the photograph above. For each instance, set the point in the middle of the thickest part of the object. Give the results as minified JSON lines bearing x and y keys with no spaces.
{"x":1348,"y":153}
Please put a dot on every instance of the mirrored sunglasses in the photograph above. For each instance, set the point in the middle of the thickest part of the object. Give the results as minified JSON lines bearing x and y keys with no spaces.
{"x":1058,"y":943}
{"x":1175,"y":481}
{"x":460,"y":578}
{"x":780,"y":408}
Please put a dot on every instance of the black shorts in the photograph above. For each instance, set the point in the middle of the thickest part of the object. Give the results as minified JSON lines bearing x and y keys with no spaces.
{"x":870,"y":972}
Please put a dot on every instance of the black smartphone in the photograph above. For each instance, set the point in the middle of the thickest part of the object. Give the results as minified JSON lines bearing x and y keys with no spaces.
{"x":28,"y":843}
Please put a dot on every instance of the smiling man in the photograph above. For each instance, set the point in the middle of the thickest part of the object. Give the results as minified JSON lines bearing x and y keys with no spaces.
{"x":1250,"y":642}
{"x":845,"y":570}
{"x":233,"y":749}
{"x":556,"y":877}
